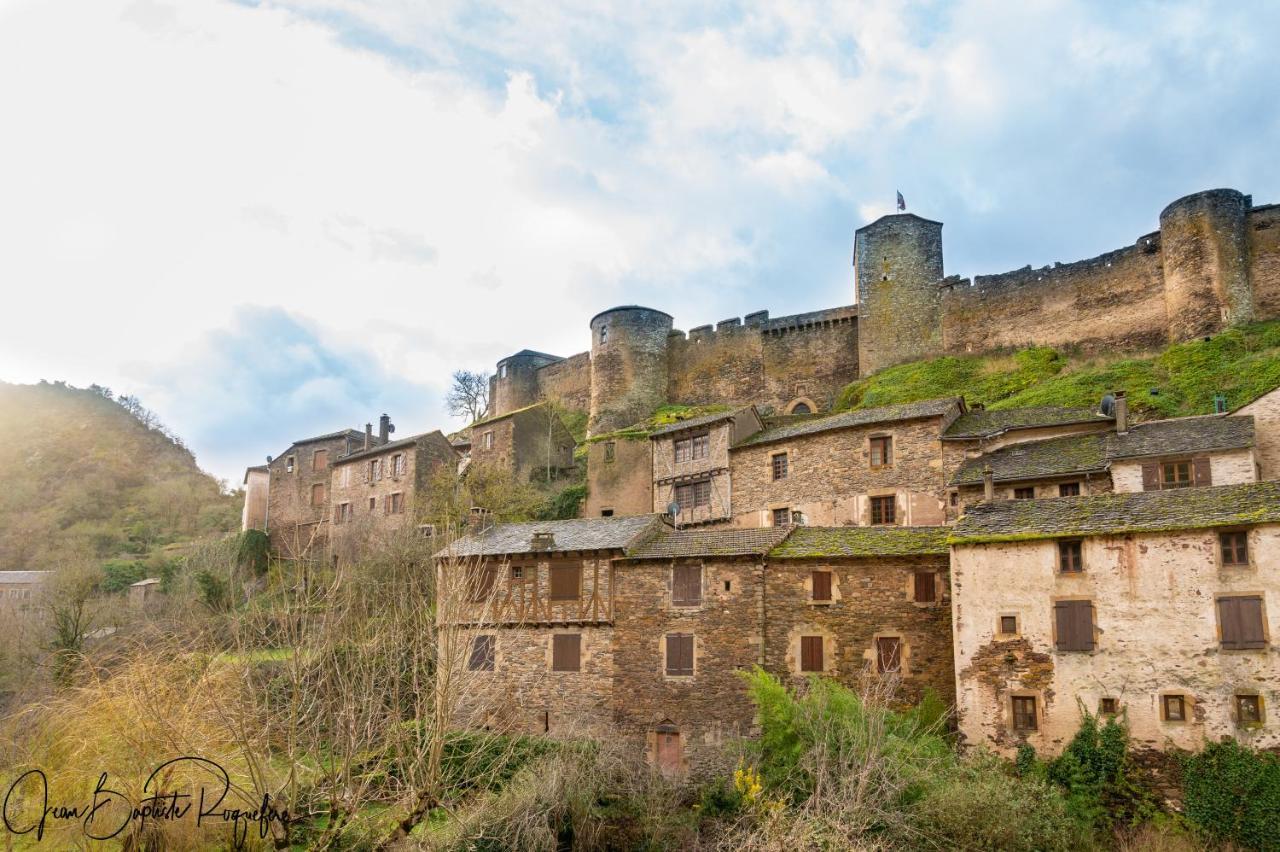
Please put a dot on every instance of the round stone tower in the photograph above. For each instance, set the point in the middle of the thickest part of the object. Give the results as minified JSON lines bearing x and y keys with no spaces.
{"x":1203,"y":245}
{"x":515,"y":382}
{"x":897,"y":272}
{"x":628,"y":366}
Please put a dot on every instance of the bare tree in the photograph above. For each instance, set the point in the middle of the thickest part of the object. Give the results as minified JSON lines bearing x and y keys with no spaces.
{"x":469,"y":394}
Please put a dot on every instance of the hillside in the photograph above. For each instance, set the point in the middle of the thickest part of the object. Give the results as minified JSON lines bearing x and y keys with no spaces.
{"x":87,"y":475}
{"x":1242,"y":364}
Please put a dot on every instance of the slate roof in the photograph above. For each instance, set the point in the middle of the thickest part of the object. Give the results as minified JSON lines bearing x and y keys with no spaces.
{"x":576,"y":534}
{"x":530,"y":353}
{"x":1113,"y":514}
{"x":822,"y":542}
{"x":512,"y":413}
{"x":8,"y":577}
{"x":382,"y":448}
{"x":694,"y":422}
{"x":1094,"y":452}
{"x":710,"y":542}
{"x":848,"y":419}
{"x":987,"y":424}
{"x":341,"y":433}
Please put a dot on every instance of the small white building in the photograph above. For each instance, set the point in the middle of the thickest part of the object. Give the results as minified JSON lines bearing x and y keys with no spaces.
{"x":144,"y":590}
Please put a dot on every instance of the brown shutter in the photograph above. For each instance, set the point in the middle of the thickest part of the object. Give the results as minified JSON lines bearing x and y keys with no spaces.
{"x":566,"y":653}
{"x":822,"y":585}
{"x":889,"y":653}
{"x":1201,"y":473}
{"x":679,"y":654}
{"x":1074,"y":620}
{"x":1252,"y":634}
{"x":1229,"y":622}
{"x":1151,"y":476}
{"x":565,"y":582}
{"x":925,"y":588}
{"x":811,"y":653}
{"x":686,"y":585}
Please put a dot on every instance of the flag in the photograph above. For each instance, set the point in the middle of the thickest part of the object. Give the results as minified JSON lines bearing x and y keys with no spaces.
{"x":902,"y":202}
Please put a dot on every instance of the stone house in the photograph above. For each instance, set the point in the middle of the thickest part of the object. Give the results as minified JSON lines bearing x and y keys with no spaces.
{"x":527,"y":442}
{"x":1160,"y":454}
{"x":257,"y":484}
{"x":691,"y":464}
{"x":619,"y":476}
{"x":18,"y":589}
{"x":874,"y":466}
{"x":143,"y":591}
{"x":1265,"y":411}
{"x":384,"y":487}
{"x":1158,"y":604}
{"x":298,"y":491}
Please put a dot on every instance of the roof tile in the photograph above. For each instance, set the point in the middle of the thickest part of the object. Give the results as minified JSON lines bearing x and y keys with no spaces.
{"x":985,"y":423}
{"x":821,"y":542}
{"x":858,"y":417}
{"x":710,"y":542}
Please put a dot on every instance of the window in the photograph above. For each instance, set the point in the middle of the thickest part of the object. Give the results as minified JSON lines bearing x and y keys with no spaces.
{"x":610,"y":450}
{"x":1074,"y":620}
{"x":1024,"y":713}
{"x":346,"y":476}
{"x":888,"y":654}
{"x":319,"y":460}
{"x":881,"y":451}
{"x":604,"y":333}
{"x":1240,"y":619}
{"x":693,"y":494}
{"x":566,"y":582}
{"x":1070,"y":556}
{"x":926,"y":589}
{"x":397,"y":465}
{"x":1109,"y":706}
{"x":342,"y":513}
{"x":517,"y":573}
{"x":317,"y":494}
{"x":606,"y":513}
{"x":693,"y":448}
{"x":800,"y":408}
{"x":811,"y":653}
{"x":482,"y":654}
{"x":395,"y":503}
{"x":1235,"y":547}
{"x":1069,"y":489}
{"x":486,"y":440}
{"x":781,"y":517}
{"x":502,"y":371}
{"x":955,"y":498}
{"x":1248,"y":709}
{"x":482,"y":582}
{"x":821,"y":585}
{"x":375,"y":470}
{"x":1174,"y":708}
{"x":288,"y":464}
{"x":1009,"y":625}
{"x":1027,"y":493}
{"x":778,"y":462}
{"x":566,"y":652}
{"x":1177,"y":473}
{"x":373,"y":503}
{"x":686,"y":585}
{"x":679,"y":655}
{"x":884,"y":510}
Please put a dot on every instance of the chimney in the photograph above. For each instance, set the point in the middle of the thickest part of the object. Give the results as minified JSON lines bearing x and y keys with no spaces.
{"x":543,"y":541}
{"x":479,"y":520}
{"x":384,"y":428}
{"x":1122,"y":412}
{"x":988,"y":484}
{"x":368,"y":435}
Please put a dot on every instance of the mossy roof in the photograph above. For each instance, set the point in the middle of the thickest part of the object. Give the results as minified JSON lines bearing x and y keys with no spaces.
{"x":575,"y":534}
{"x":1094,"y":452}
{"x":710,"y":542}
{"x":987,"y":423}
{"x":512,"y":413}
{"x":1114,"y":514}
{"x":695,"y":422}
{"x":857,"y":417}
{"x":824,"y":542}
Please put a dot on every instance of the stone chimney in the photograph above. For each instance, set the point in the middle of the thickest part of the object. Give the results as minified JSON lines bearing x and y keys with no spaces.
{"x":479,"y":520}
{"x":543,"y":541}
{"x":384,"y":429}
{"x":1122,"y":412}
{"x":988,"y":484}
{"x":368,"y":435}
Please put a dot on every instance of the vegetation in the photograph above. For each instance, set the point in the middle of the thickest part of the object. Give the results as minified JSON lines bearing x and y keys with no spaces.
{"x":1233,"y":794}
{"x":1241,"y":363}
{"x":665,"y":415}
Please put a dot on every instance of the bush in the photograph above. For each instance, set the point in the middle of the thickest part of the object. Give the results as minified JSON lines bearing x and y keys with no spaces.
{"x":1233,"y":793}
{"x":1097,"y":776}
{"x":120,"y":574}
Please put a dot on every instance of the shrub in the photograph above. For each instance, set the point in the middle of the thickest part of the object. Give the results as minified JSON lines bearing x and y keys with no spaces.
{"x":253,"y":551}
{"x":120,"y":574}
{"x":1233,"y":793}
{"x":1095,"y":772}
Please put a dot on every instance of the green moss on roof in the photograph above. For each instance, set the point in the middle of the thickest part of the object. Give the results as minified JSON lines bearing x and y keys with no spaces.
{"x":824,"y":542}
{"x":983,"y":423}
{"x":665,"y":416}
{"x":848,"y":419}
{"x":1117,"y":514}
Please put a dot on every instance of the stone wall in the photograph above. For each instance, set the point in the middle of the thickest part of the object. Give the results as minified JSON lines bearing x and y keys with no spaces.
{"x":1266,"y":421}
{"x":871,"y":598}
{"x":1225,"y":468}
{"x":830,"y":476}
{"x":623,"y":485}
{"x":295,"y":527}
{"x":897,"y":265}
{"x":567,"y":382}
{"x":667,"y":473}
{"x":1263,"y":241}
{"x":1096,"y":483}
{"x":1156,"y":632}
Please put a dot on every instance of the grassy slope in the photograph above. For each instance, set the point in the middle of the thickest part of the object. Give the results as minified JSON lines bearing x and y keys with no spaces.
{"x":1242,"y":363}
{"x":85,"y":478}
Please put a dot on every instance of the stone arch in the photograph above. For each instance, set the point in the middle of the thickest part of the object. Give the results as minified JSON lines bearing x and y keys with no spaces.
{"x":802,"y":405}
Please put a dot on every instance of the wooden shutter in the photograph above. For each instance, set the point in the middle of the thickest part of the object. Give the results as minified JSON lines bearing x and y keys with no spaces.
{"x":679,"y":654}
{"x":822,"y":585}
{"x":1151,"y":476}
{"x":686,"y":585}
{"x":566,"y":652}
{"x":1241,"y":623}
{"x":888,"y":654}
{"x":482,"y":656}
{"x":1200,"y":471}
{"x":1074,"y":621}
{"x":566,"y":582}
{"x":926,"y":590}
{"x":810,"y":653}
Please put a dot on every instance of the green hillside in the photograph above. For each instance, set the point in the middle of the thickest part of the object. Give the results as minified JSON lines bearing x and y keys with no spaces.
{"x":88,"y":475}
{"x":1183,"y":379}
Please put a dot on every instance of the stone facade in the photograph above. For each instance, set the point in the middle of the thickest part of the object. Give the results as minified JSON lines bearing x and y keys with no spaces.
{"x":1266,"y":417}
{"x":298,"y":497}
{"x":257,"y":485}
{"x":1226,"y":468}
{"x":526,"y":442}
{"x":619,"y":477}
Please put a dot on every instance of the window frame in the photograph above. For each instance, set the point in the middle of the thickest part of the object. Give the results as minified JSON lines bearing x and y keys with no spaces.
{"x":699,"y":490}
{"x":881,"y":445}
{"x":1070,"y":555}
{"x":610,"y":452}
{"x":488,"y":658}
{"x":917,"y":578}
{"x":679,"y":588}
{"x":883,"y":500}
{"x":319,"y":459}
{"x":895,"y":656}
{"x":1076,"y":488}
{"x":786,"y":516}
{"x":1183,"y":704}
{"x":1024,"y":707}
{"x":1025,"y":492}
{"x":321,"y":489}
{"x":780,"y":466}
{"x":1240,"y":701}
{"x":1241,"y":538}
{"x":1000,"y":625}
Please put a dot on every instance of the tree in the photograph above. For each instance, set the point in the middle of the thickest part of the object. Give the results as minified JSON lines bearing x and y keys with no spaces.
{"x":469,"y":394}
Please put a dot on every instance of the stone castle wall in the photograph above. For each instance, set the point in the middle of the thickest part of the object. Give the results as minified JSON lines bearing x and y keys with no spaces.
{"x":567,"y":383}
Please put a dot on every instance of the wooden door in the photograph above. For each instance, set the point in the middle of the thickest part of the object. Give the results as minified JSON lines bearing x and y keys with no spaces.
{"x":668,"y":752}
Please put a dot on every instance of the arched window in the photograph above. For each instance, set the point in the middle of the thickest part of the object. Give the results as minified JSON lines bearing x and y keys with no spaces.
{"x":801,"y":405}
{"x":604,"y":333}
{"x":801,"y":408}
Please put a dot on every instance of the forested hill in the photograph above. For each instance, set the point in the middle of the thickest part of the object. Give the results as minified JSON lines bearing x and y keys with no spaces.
{"x":87,"y":475}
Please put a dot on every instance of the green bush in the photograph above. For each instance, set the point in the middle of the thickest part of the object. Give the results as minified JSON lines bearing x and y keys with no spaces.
{"x":253,"y":551}
{"x":1097,"y":776}
{"x":214,"y":591}
{"x":1233,"y":794}
{"x":120,"y":574}
{"x":563,"y":505}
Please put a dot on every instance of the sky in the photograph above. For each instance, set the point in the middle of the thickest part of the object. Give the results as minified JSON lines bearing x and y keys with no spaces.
{"x":270,"y":220}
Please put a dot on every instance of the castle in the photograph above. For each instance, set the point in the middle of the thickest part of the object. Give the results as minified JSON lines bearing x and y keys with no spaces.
{"x":1023,"y":564}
